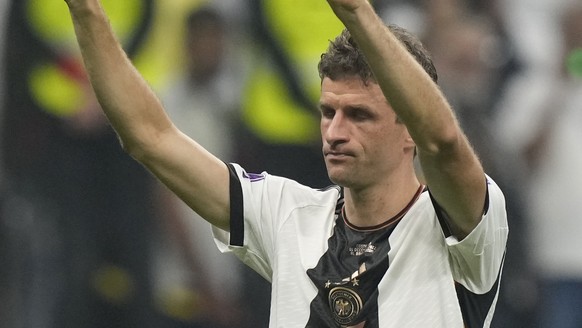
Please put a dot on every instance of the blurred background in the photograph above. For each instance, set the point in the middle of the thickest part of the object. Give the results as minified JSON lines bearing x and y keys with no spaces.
{"x":88,"y":239}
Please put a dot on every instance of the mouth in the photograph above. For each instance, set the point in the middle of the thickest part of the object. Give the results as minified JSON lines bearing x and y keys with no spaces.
{"x":336,"y":155}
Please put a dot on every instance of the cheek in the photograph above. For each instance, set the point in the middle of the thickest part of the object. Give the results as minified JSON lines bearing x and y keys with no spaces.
{"x":385,"y":143}
{"x":376,"y":145}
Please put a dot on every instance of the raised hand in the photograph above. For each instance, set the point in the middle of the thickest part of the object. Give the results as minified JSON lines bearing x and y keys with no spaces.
{"x":346,"y":6}
{"x":350,"y":11}
{"x":82,"y":4}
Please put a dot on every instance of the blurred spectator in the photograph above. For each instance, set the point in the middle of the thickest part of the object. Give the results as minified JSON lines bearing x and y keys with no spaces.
{"x":533,"y":26}
{"x":195,"y":284}
{"x":80,"y":224}
{"x":540,"y":121}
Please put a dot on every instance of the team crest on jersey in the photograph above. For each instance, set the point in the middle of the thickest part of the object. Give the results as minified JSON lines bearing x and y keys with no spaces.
{"x":345,"y":305}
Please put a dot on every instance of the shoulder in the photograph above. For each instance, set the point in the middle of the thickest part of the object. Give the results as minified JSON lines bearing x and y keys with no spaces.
{"x":281,"y":188}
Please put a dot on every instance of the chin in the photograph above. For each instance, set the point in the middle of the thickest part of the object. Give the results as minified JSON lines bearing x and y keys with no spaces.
{"x":339,"y":179}
{"x":335,"y":173}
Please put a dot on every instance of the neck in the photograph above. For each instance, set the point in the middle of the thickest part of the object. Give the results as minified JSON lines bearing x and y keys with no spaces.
{"x":375,"y":205}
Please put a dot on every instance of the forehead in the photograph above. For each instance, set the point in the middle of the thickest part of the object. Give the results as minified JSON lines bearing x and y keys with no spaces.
{"x":348,"y":89}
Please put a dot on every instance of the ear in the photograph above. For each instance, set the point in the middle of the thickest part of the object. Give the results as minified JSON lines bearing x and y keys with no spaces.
{"x":408,"y":141}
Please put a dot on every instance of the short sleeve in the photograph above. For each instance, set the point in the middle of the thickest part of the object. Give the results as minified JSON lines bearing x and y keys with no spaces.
{"x":260,"y":205}
{"x":477,"y":260}
{"x":251,"y":226}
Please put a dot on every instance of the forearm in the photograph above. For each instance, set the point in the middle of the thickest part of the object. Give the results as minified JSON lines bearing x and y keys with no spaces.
{"x":136,"y":114}
{"x":130,"y":105}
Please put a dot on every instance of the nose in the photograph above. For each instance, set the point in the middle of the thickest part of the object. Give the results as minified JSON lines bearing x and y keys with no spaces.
{"x":335,"y":129}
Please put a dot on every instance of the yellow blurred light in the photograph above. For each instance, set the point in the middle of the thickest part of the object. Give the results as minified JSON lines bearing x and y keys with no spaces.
{"x":54,"y":91}
{"x":114,"y":284}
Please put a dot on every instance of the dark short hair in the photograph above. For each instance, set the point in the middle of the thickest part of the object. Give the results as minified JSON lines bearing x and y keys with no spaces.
{"x":344,"y":58}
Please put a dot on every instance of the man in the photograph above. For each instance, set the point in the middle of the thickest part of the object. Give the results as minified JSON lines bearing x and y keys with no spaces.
{"x":380,"y":252}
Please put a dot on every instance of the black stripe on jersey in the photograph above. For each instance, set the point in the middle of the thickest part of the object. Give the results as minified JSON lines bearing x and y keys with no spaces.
{"x":475,"y":307}
{"x":347,"y":277}
{"x":237,"y":227}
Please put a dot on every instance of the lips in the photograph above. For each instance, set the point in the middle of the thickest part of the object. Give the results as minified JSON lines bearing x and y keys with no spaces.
{"x":337,"y":155}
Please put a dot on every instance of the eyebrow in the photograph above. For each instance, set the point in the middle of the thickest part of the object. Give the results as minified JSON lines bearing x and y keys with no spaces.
{"x":360,"y":108}
{"x":321,"y":106}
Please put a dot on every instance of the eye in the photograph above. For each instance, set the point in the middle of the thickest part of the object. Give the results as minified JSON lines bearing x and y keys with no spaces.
{"x":326,"y":112}
{"x":360,"y":114}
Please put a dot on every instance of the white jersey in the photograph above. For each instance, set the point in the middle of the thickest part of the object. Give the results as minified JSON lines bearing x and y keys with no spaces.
{"x":407,"y":272}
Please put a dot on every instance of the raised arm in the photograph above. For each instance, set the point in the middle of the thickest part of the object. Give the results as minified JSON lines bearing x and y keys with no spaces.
{"x":141,"y":123}
{"x":451,"y":169}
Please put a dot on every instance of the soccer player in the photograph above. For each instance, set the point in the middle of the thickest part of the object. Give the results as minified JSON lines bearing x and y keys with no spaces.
{"x":380,"y":249}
